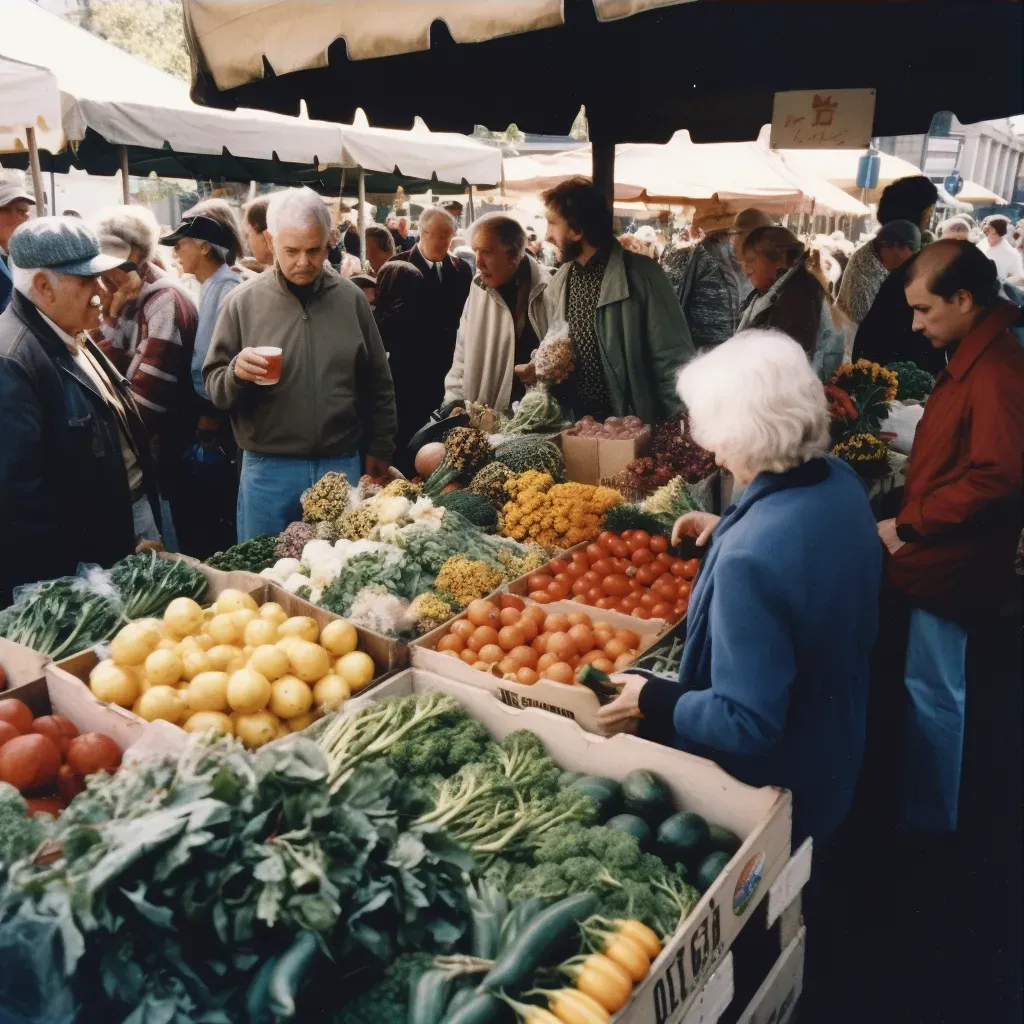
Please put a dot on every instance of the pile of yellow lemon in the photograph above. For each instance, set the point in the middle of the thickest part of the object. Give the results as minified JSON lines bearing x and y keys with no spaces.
{"x":238,"y":668}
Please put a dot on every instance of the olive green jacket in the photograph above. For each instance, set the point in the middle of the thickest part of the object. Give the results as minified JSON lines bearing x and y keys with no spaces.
{"x":644,"y":338}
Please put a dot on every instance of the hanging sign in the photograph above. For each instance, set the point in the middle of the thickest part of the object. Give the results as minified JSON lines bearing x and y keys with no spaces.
{"x":823,"y":119}
{"x":954,"y":183}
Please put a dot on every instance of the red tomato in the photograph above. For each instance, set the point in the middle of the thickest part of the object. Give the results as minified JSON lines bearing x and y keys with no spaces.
{"x":646,"y":575}
{"x":512,"y":601}
{"x":642,"y":556}
{"x":557,"y":565}
{"x":606,"y":603}
{"x":604,"y":567}
{"x":594,"y":594}
{"x":622,"y":564}
{"x":626,"y":534}
{"x":631,"y":601}
{"x":635,"y":585}
{"x":616,"y":585}
{"x":659,"y":545}
{"x":684,"y":587}
{"x":539,"y":581}
{"x":582,"y":598}
{"x":680,"y":609}
{"x":540,"y":597}
{"x":638,"y":541}
{"x":557,"y":591}
{"x":607,"y":539}
{"x":618,"y":548}
{"x":581,"y":586}
{"x":591,"y":577}
{"x":665,"y":561}
{"x":575,"y":571}
{"x":692,"y":566}
{"x":563,"y":579}
{"x":640,"y":613}
{"x":661,"y":611}
{"x":595,"y":553}
{"x":648,"y":600}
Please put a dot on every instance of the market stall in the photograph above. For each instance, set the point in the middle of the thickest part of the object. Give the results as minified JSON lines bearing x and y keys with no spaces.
{"x":29,"y":106}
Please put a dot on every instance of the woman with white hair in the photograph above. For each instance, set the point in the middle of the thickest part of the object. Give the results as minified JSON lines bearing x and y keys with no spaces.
{"x":782,"y":617}
{"x":148,"y":331}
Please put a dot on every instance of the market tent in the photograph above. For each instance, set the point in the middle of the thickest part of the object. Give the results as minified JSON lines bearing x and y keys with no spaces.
{"x":839,"y":166}
{"x":978,"y":195}
{"x":29,"y":97}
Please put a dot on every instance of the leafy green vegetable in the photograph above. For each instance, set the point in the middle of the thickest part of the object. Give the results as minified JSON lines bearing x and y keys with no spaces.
{"x":20,"y":835}
{"x":148,"y":583}
{"x":620,"y":518}
{"x":474,"y":507}
{"x":538,"y":413}
{"x":911,"y":381}
{"x":523,"y":453}
{"x":253,"y":555}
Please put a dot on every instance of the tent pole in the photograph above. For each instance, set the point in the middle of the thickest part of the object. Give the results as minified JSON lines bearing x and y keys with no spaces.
{"x":125,"y":197}
{"x":53,"y":191}
{"x":253,"y":186}
{"x":602,"y":155}
{"x":472,"y":212}
{"x":37,"y":174}
{"x":361,"y":216}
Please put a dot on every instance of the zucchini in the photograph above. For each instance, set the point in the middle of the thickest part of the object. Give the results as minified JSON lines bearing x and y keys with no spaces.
{"x":683,"y":836}
{"x":518,"y":918}
{"x":486,"y":934}
{"x":710,"y":868}
{"x":722,"y":839}
{"x":483,"y":1008}
{"x":290,"y":972}
{"x":463,"y":996}
{"x":606,"y":793}
{"x":635,"y":826}
{"x":646,"y":796}
{"x":256,"y":997}
{"x":518,"y":962}
{"x":428,"y":997}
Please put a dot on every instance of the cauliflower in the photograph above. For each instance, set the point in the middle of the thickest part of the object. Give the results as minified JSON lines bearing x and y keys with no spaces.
{"x":328,"y":498}
{"x":424,"y":511}
{"x":282,"y":569}
{"x":391,"y":509}
{"x":322,"y":574}
{"x":295,"y":583}
{"x":316,"y":551}
{"x":376,"y":609}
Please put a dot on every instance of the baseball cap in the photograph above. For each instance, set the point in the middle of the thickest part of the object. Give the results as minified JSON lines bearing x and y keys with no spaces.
{"x":65,"y":245}
{"x":203,"y":229}
{"x":10,"y":193}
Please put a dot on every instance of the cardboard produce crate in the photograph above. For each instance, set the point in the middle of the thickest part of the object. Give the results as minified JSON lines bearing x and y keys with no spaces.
{"x":589,"y":460}
{"x":776,"y":1000}
{"x":575,"y":702}
{"x":217,"y":579}
{"x":761,"y":817}
{"x":21,"y":666}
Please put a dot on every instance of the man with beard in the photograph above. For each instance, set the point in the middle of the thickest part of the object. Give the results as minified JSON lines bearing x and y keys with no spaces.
{"x":624,"y":319}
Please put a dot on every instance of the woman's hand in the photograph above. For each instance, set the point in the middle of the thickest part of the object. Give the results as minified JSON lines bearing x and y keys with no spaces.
{"x":128,"y":292}
{"x":698,"y":526}
{"x":623,"y":712}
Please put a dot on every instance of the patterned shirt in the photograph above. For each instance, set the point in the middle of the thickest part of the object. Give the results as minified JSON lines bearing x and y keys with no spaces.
{"x":584,"y":290}
{"x":862,"y":278}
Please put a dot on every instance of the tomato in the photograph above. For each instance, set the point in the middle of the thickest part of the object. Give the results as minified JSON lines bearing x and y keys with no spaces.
{"x":646,"y":575}
{"x":616,"y":585}
{"x":642,"y":556}
{"x":665,"y":561}
{"x":659,"y":545}
{"x":557,"y":565}
{"x":622,"y":564}
{"x":640,"y":613}
{"x":581,"y":586}
{"x":679,"y":610}
{"x":606,"y":603}
{"x":563,"y":579}
{"x":692,"y":567}
{"x":626,"y":534}
{"x":684,"y":587}
{"x":648,"y":600}
{"x":583,"y":598}
{"x":575,"y":571}
{"x":512,"y":601}
{"x":540,"y":597}
{"x":666,"y":589}
{"x":661,"y":611}
{"x":594,"y":594}
{"x":539,"y":581}
{"x":595,"y":553}
{"x":607,"y":539}
{"x":635,"y":585}
{"x":639,"y":541}
{"x":591,"y":578}
{"x":631,"y":601}
{"x":557,"y":591}
{"x":604,"y":567}
{"x":618,"y":548}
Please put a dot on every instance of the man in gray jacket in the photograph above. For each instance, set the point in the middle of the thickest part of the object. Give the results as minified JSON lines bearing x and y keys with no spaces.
{"x":335,"y":399}
{"x":627,"y":329}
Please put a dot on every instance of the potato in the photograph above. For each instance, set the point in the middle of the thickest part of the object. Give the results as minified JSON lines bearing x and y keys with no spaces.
{"x":235,"y":665}
{"x":203,"y":721}
{"x":134,"y":643}
{"x":243,"y":617}
{"x":301,"y":626}
{"x":357,"y":669}
{"x":331,"y":692}
{"x":233,"y":601}
{"x":194,"y":662}
{"x":208,"y":692}
{"x":183,"y":617}
{"x":290,"y":697}
{"x":167,"y":644}
{"x":203,"y":641}
{"x":114,"y":683}
{"x":273,"y":612}
{"x":162,"y":702}
{"x":222,"y":655}
{"x":248,"y":691}
{"x":224,"y":630}
{"x":308,"y":661}
{"x":282,"y":731}
{"x":163,"y":668}
{"x":300,"y":722}
{"x":269,"y":661}
{"x":339,"y":638}
{"x":256,"y":729}
{"x":260,"y":632}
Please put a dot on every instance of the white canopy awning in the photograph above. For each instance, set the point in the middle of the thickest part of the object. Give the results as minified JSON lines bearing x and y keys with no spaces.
{"x":29,"y":97}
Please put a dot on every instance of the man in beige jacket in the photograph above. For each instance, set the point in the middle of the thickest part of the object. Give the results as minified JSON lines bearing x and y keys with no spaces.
{"x":505,"y":317}
{"x":335,"y":399}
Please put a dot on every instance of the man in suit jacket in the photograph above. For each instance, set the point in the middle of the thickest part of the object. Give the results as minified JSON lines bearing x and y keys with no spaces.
{"x":15,"y":206}
{"x":446,"y":282}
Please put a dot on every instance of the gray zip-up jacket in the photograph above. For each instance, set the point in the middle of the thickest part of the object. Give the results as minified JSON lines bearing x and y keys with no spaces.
{"x":335,"y":396}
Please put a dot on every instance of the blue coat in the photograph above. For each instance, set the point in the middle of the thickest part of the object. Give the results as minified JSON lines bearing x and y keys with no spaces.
{"x":6,"y":283}
{"x":774,"y":679}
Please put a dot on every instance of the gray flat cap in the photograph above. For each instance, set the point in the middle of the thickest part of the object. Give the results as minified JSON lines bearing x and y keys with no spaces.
{"x":900,"y":232}
{"x":12,"y":193}
{"x":65,"y":245}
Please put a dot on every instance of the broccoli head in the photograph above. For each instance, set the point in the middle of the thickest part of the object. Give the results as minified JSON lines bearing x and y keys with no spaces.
{"x":454,"y":740}
{"x":523,"y":758}
{"x":20,"y":835}
{"x":388,"y":999}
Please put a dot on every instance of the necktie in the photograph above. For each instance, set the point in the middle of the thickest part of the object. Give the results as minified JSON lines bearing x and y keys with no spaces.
{"x":437,"y":267}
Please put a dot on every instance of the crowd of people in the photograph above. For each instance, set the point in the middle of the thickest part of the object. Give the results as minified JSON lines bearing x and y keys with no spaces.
{"x":818,"y":639}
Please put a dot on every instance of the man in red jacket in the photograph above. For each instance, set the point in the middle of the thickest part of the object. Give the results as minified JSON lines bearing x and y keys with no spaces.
{"x":951,"y":548}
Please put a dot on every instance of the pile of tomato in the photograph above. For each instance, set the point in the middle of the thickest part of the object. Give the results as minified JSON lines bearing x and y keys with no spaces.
{"x":632,"y":572}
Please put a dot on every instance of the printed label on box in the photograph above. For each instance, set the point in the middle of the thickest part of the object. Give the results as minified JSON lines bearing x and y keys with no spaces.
{"x":747,"y":883}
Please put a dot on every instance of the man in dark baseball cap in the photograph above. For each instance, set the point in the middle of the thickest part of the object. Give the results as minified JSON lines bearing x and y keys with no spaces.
{"x":15,"y":206}
{"x":202,"y":229}
{"x":76,"y":480}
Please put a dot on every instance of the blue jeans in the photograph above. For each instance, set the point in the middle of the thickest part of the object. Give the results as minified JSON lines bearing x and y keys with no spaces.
{"x":935,"y":678}
{"x":271,"y":486}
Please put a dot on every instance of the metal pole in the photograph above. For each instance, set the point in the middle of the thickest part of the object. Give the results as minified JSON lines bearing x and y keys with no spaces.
{"x":37,"y":174}
{"x":602,"y":155}
{"x":472,"y":212}
{"x":125,"y":197}
{"x":361,"y":217}
{"x":253,"y":186}
{"x":53,"y":191}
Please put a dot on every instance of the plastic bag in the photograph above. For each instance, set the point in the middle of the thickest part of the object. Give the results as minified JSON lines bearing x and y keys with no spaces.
{"x":902,"y":421}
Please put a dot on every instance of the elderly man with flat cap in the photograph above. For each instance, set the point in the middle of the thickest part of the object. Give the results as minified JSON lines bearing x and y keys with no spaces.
{"x":76,"y":481}
{"x":15,"y":206}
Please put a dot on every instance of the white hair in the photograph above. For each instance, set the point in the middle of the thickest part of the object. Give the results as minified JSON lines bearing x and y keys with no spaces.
{"x":510,"y":234}
{"x":299,"y":206}
{"x":24,"y":280}
{"x":756,"y":403}
{"x":134,"y":225}
{"x":433,"y":213}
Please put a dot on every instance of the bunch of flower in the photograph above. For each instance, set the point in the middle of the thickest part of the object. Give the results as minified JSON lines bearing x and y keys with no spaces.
{"x":465,"y":580}
{"x":466,"y":452}
{"x":357,"y":523}
{"x":428,"y":611}
{"x":554,"y":360}
{"x":326,"y":499}
{"x":870,"y":387}
{"x":293,"y":539}
{"x":401,"y":489}
{"x":866,"y":453}
{"x":556,"y":515}
{"x":514,"y":566}
{"x":672,"y":453}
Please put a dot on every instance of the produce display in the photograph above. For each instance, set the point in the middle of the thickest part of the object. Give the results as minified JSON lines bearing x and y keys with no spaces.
{"x":538,"y":412}
{"x":632,"y":573}
{"x":466,"y":451}
{"x":65,"y":616}
{"x":912,"y":383}
{"x":44,"y":762}
{"x":615,"y":428}
{"x":253,"y":555}
{"x":860,"y":395}
{"x":555,"y":516}
{"x":236,"y":668}
{"x":524,"y":643}
{"x":672,"y":453}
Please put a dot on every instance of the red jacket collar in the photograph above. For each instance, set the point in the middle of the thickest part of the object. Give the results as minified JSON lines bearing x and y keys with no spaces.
{"x":971,"y":348}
